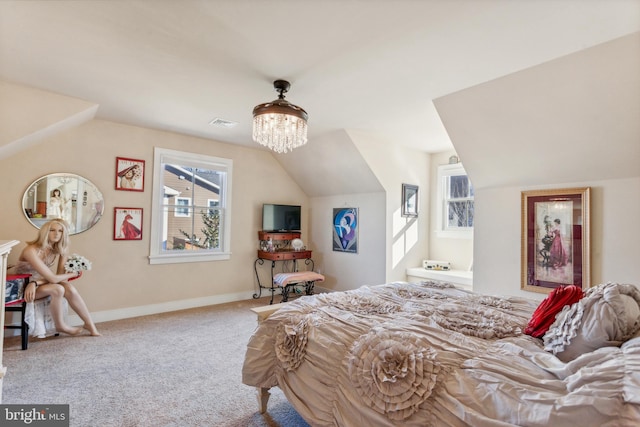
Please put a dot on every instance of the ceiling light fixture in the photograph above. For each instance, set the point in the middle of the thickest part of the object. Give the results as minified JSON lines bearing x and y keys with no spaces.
{"x":280,"y":125}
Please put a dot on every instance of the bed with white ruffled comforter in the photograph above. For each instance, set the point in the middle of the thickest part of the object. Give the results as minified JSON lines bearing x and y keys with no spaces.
{"x":428,"y":354}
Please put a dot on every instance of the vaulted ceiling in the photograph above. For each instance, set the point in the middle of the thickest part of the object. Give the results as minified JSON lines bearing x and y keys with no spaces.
{"x":368,"y":66}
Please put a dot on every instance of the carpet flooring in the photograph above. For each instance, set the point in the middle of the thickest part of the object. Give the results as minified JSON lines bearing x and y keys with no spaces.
{"x":180,"y":369}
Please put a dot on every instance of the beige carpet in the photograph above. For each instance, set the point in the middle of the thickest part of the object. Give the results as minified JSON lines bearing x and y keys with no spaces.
{"x":175,"y":369}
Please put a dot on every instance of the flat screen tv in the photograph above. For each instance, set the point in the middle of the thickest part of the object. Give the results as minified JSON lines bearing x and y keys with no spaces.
{"x":280,"y":217}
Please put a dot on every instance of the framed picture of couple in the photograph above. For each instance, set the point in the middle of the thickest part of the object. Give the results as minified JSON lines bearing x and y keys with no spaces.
{"x":129,"y":174}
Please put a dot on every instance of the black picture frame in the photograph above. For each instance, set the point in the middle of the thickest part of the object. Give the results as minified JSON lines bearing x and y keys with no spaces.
{"x":410,"y":196}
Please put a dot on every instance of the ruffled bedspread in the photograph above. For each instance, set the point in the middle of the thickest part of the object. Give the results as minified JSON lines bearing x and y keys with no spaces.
{"x":409,"y":354}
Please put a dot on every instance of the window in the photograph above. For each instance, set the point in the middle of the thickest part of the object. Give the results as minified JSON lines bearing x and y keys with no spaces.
{"x":183,"y":211}
{"x":191,"y":211}
{"x":455,"y":201}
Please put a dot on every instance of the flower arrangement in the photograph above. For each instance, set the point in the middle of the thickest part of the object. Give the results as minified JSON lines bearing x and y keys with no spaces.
{"x":76,"y":263}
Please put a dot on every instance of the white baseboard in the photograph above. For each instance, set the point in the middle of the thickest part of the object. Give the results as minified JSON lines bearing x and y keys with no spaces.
{"x":165,"y":307}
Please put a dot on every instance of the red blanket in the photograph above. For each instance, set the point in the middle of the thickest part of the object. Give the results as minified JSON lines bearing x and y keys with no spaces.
{"x":546,"y":312}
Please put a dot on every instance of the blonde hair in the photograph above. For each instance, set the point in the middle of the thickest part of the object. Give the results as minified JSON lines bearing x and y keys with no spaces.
{"x":42,"y":240}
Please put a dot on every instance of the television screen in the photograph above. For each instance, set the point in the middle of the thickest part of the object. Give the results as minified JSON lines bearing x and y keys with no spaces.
{"x":280,"y":217}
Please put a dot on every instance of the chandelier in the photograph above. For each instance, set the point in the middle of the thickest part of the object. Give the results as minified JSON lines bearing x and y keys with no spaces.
{"x":280,"y":125}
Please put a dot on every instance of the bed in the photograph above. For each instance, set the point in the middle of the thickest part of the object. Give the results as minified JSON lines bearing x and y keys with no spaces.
{"x":429,"y":354}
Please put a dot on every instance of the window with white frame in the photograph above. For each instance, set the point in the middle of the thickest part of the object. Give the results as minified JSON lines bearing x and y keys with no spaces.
{"x":182,"y":207}
{"x":191,"y":210}
{"x":455,"y":202}
{"x":213,"y":203}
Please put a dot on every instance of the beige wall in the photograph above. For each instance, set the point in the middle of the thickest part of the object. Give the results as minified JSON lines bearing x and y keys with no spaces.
{"x":344,"y":270}
{"x":26,"y":113}
{"x":388,"y":243}
{"x":122,"y":283}
{"x":407,"y":239}
{"x":569,"y":122}
{"x":615,"y":233}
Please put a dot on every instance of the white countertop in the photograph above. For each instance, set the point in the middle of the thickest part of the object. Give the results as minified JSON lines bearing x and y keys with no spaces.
{"x":457,"y":277}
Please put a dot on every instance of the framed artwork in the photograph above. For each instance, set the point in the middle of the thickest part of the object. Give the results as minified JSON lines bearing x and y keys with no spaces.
{"x":127,"y":223}
{"x":555,"y":239}
{"x":409,"y":200}
{"x":345,"y":230}
{"x":129,"y":174}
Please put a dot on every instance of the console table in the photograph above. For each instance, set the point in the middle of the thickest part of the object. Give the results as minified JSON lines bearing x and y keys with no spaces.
{"x":282,"y":253}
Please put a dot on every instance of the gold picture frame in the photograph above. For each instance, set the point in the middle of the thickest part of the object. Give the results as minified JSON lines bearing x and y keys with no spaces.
{"x":556,"y":248}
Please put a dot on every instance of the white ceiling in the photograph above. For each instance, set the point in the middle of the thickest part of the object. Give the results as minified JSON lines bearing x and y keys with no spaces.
{"x":367,"y":65}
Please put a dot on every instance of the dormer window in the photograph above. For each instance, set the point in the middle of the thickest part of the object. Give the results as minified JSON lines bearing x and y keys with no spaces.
{"x":455,"y":202}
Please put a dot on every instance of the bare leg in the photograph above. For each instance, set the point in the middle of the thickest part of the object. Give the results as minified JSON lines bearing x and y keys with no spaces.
{"x":78,"y":305}
{"x":57,"y":294}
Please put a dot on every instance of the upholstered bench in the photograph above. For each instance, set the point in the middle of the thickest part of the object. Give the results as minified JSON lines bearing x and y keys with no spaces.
{"x":288,"y":282}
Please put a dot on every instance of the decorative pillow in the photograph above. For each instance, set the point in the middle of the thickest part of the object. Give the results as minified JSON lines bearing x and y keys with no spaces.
{"x":631,"y":311}
{"x":608,"y":315}
{"x":546,"y":312}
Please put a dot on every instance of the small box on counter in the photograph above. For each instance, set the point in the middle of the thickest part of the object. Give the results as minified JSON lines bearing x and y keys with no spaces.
{"x":429,"y":264}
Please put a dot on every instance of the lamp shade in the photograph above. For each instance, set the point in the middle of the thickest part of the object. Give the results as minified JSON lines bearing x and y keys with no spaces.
{"x":280,"y":125}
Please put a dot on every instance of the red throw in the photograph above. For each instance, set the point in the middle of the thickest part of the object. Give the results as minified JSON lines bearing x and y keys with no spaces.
{"x":545,"y":314}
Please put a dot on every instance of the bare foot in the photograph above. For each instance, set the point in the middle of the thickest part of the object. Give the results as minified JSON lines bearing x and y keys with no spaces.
{"x":71,"y":331}
{"x":93,"y":331}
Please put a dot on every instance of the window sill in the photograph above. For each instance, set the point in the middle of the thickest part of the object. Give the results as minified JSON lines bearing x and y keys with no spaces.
{"x":463,"y":279}
{"x":181,"y":258}
{"x":468,"y":234}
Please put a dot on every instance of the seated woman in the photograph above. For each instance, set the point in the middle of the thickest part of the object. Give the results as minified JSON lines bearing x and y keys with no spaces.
{"x":38,"y":258}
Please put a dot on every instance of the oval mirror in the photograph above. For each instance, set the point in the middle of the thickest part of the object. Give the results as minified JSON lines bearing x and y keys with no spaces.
{"x":63,"y":195}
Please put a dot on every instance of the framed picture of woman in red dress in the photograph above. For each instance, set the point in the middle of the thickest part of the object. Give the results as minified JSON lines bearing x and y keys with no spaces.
{"x":127,"y":224}
{"x":555,"y":239}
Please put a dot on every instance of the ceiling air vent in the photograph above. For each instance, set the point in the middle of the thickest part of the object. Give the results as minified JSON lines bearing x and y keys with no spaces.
{"x":222,"y":123}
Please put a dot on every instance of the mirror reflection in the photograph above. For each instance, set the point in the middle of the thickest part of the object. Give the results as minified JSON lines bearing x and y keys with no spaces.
{"x":63,"y":195}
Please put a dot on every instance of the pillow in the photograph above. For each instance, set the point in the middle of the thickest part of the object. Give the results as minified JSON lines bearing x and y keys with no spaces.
{"x":608,"y":315}
{"x":546,"y":312}
{"x":631,"y":312}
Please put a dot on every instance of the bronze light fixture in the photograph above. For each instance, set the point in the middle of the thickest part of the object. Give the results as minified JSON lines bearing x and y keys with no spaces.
{"x":280,"y":125}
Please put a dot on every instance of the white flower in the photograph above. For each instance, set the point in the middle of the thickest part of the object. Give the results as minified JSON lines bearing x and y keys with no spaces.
{"x":76,"y":263}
